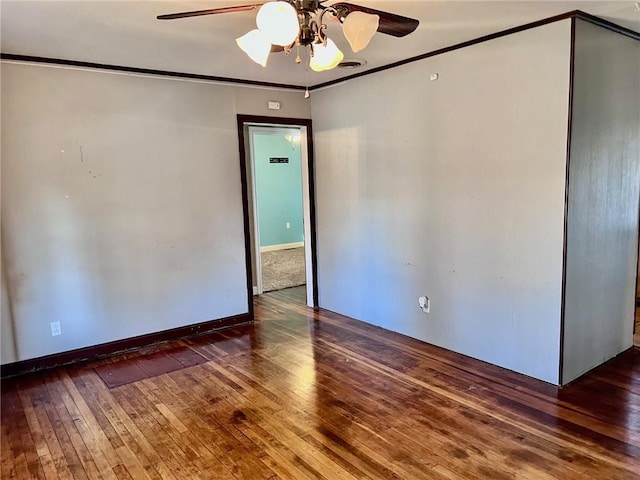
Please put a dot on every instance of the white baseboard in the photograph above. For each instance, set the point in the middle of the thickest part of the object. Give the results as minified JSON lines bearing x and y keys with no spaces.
{"x":282,"y":246}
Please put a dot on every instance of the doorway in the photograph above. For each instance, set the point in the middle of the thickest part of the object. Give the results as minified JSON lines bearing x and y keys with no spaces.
{"x":277,"y":169}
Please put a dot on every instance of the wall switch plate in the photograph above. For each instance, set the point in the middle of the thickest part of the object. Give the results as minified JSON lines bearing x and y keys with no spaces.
{"x":288,"y":225}
{"x":55,"y":329}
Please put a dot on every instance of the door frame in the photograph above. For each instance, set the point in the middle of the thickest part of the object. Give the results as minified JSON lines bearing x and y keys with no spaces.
{"x":308,"y":197}
{"x":261,"y":129}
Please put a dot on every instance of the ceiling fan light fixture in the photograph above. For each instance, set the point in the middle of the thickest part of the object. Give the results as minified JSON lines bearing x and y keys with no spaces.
{"x":256,"y":45}
{"x":279,"y":22}
{"x":286,"y":24}
{"x":294,"y":138}
{"x":325,"y":57}
{"x":359,"y":28}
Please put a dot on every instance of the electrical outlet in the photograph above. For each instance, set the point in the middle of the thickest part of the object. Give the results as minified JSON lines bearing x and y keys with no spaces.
{"x":425,"y":304}
{"x":288,"y":225}
{"x":55,"y":329}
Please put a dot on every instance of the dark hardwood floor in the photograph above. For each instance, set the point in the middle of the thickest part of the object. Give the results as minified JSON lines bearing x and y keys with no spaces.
{"x":307,"y":395}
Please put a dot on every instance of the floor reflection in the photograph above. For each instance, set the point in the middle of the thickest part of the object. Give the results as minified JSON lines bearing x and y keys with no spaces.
{"x":305,"y":394}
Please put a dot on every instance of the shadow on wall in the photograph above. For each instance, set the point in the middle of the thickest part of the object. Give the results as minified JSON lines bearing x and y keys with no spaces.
{"x":9,"y":352}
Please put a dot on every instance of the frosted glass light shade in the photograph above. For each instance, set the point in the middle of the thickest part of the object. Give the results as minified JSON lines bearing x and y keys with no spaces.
{"x":359,"y":28}
{"x":256,"y":45}
{"x":279,"y":22}
{"x":325,"y":58}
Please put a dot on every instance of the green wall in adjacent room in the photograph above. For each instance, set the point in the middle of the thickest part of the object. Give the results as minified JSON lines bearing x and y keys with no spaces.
{"x":279,"y":190}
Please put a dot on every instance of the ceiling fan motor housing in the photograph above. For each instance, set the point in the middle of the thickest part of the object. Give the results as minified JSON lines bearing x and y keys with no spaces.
{"x":309,"y":6}
{"x":307,"y":34}
{"x":310,"y":31}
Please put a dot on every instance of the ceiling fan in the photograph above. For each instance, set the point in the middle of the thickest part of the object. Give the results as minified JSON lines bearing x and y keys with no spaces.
{"x":287,"y":24}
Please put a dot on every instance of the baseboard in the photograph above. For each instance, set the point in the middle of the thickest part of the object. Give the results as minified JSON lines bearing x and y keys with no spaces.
{"x":282,"y":246}
{"x":128,"y":344}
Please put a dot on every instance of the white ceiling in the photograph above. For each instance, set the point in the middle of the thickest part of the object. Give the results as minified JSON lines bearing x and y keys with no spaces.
{"x":126,"y":33}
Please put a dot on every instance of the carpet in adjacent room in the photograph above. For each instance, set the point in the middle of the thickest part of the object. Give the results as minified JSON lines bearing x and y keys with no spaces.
{"x":283,"y":269}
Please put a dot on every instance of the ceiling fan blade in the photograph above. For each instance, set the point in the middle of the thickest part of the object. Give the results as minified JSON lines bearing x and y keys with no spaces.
{"x":390,"y":23}
{"x":211,"y":11}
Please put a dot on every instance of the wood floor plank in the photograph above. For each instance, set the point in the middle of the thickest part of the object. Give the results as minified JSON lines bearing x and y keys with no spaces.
{"x":171,"y":462}
{"x":527,"y":399}
{"x":527,"y":427}
{"x":232,"y":451}
{"x":37,"y":434}
{"x":308,"y":394}
{"x":73,"y":422}
{"x":92,"y":400}
{"x":46,"y":467}
{"x":296,"y":429}
{"x":446,"y":429}
{"x":96,"y":441}
{"x":67,"y":456}
{"x":6,"y":455}
{"x":55,"y":460}
{"x":223,"y":416}
{"x":279,"y":456}
{"x":28,"y":462}
{"x":256,"y":409}
{"x":135,"y":453}
{"x":294,"y":398}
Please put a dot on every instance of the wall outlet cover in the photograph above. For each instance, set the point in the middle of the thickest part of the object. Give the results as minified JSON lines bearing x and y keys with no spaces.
{"x":55,"y":329}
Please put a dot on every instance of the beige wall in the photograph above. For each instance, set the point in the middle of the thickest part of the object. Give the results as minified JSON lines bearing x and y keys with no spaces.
{"x":452,"y":189}
{"x":121,"y":204}
{"x":253,"y":101}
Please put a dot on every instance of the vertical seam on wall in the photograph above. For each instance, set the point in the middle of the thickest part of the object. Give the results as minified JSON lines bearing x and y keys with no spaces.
{"x":572,"y":52}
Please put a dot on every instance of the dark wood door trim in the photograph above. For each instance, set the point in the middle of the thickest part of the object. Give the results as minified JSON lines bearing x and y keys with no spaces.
{"x":288,"y":122}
